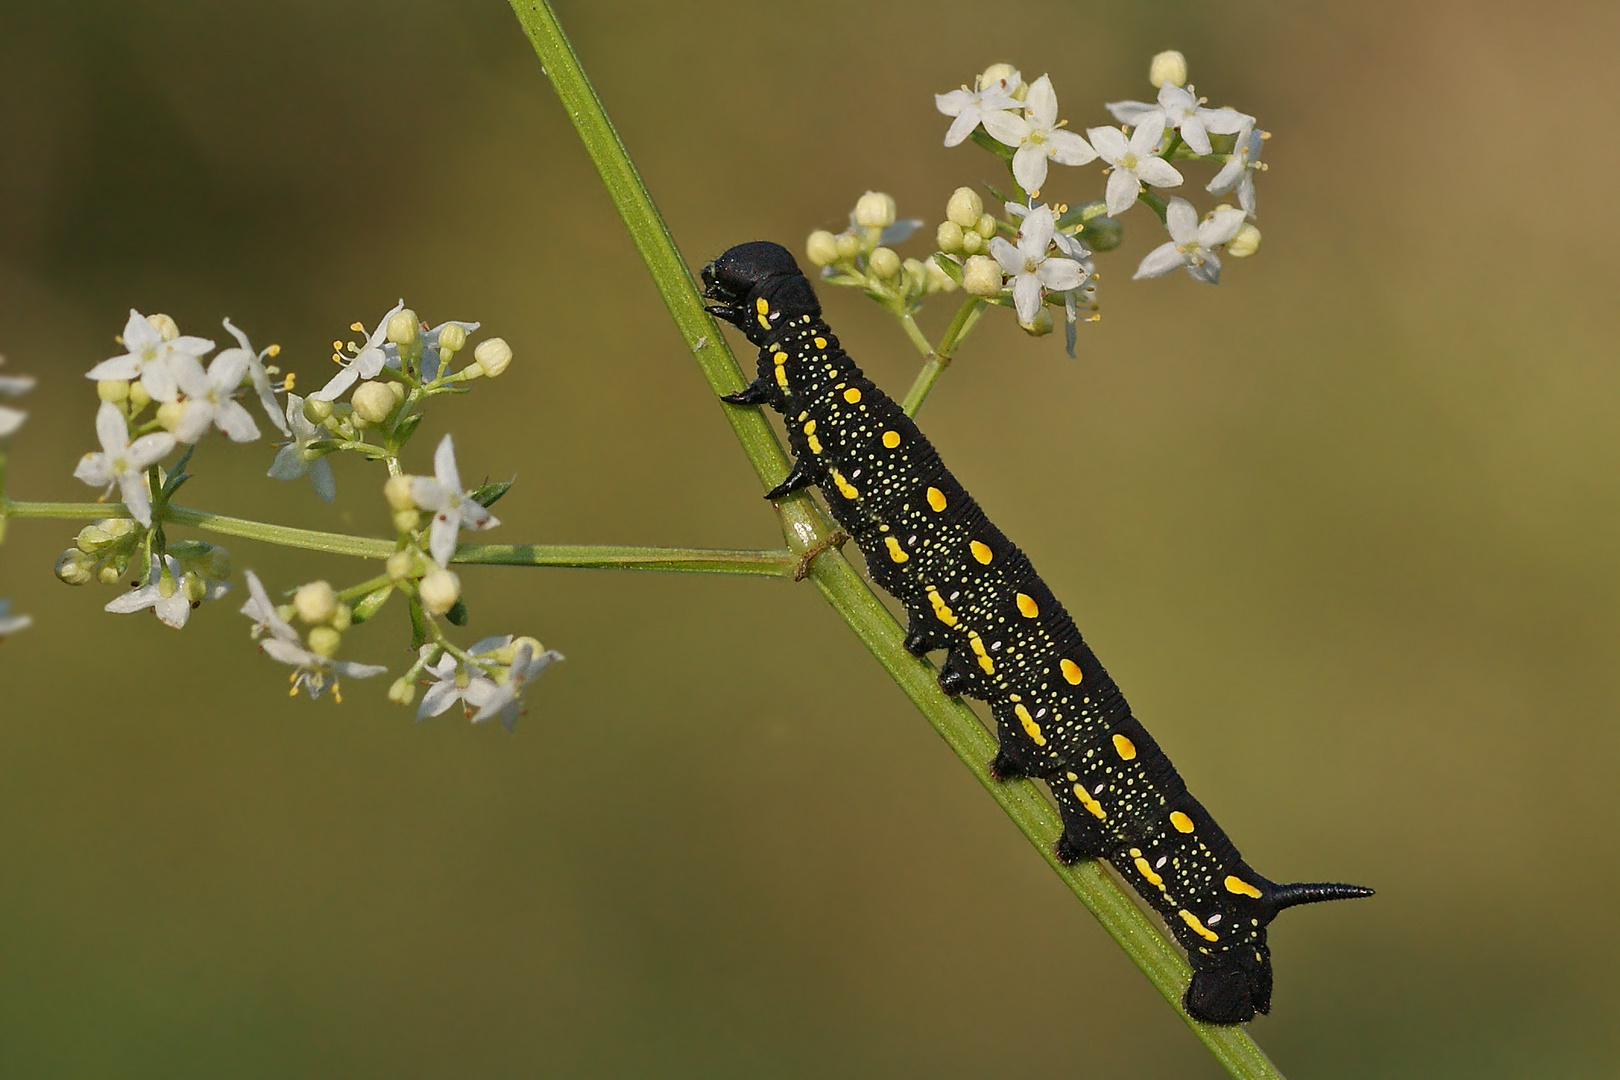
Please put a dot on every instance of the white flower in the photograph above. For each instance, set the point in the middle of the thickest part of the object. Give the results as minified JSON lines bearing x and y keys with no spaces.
{"x":367,"y":362}
{"x":1135,"y":162}
{"x":150,"y":358}
{"x":210,"y":399}
{"x":970,"y":106}
{"x":456,"y":680}
{"x":1029,"y":266}
{"x":123,"y":462}
{"x":1240,"y":167}
{"x":1192,"y":242}
{"x":10,"y":420}
{"x":453,"y":509}
{"x":316,"y":674}
{"x":1180,"y":109}
{"x":430,"y":346}
{"x":259,"y":374}
{"x":9,"y":623}
{"x":13,"y":386}
{"x":169,"y":593}
{"x":1038,"y":137}
{"x":295,"y":458}
{"x":506,"y":699}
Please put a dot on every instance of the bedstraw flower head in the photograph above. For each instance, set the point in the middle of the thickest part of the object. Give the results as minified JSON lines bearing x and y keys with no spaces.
{"x":1037,"y":137}
{"x":123,"y":463}
{"x":453,"y":507}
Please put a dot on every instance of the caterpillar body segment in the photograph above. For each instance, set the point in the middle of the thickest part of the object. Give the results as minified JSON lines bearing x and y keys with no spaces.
{"x":969,"y":590}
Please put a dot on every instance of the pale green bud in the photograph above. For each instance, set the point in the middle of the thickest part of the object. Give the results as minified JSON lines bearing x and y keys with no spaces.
{"x":397,"y":490}
{"x":849,"y":245}
{"x":1168,"y":67}
{"x":404,"y":327}
{"x":937,"y":280}
{"x":948,"y":237}
{"x":91,"y":539}
{"x":981,"y":276}
{"x":107,"y":575}
{"x":985,"y":226}
{"x":494,"y":355}
{"x":883,"y":263}
{"x":452,"y":339}
{"x":164,"y":325}
{"x":1040,"y":325}
{"x":169,"y":414}
{"x":404,"y":521}
{"x":916,"y":275}
{"x":875,"y":210}
{"x":325,"y":641}
{"x":439,"y":591}
{"x":195,"y":586}
{"x":964,"y":207}
{"x":1245,"y":243}
{"x":115,"y":391}
{"x":822,"y":248}
{"x":995,"y":73}
{"x":972,"y":243}
{"x":315,"y":602}
{"x":373,"y":401}
{"x":138,"y":397}
{"x":74,"y":567}
{"x":535,"y":648}
{"x":400,"y":565}
{"x":342,"y":617}
{"x":402,"y":691}
{"x":317,"y":412}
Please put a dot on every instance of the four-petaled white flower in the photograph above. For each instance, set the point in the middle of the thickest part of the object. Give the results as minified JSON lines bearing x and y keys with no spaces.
{"x":210,"y":400}
{"x":1135,"y":162}
{"x":1238,"y":172}
{"x":1192,"y":242}
{"x":1038,"y":137}
{"x":367,"y":363}
{"x":969,"y":107}
{"x":1031,"y":268}
{"x":506,"y":699}
{"x":453,"y":508}
{"x":1180,"y":109}
{"x":9,"y":623}
{"x":295,"y":458}
{"x":150,"y":358}
{"x":123,"y":462}
{"x":166,"y":593}
{"x":260,"y":375}
{"x":316,"y":674}
{"x":456,"y":681}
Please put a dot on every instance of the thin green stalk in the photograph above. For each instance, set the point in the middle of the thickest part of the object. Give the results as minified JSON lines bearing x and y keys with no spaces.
{"x":778,"y":563}
{"x":808,"y":530}
{"x":935,"y":361}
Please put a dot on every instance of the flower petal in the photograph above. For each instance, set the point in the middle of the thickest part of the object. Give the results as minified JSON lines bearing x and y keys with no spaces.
{"x":1160,"y":261}
{"x":962,"y":127}
{"x":236,"y":422}
{"x":1061,"y":275}
{"x":1109,"y":142}
{"x":1006,"y":255}
{"x":1029,"y":167}
{"x":1131,"y":112}
{"x":1067,"y":148}
{"x":1158,"y":172}
{"x":1181,"y":220}
{"x":1041,"y":103}
{"x":1026,"y":292}
{"x":1196,"y":135}
{"x":444,"y":465}
{"x":320,"y":478}
{"x":1006,"y":128}
{"x":111,"y":428}
{"x":1121,"y":192}
{"x":1220,"y":226}
{"x":442,"y":538}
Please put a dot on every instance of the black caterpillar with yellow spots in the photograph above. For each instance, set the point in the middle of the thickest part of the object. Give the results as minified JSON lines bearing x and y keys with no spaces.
{"x":966,"y":588}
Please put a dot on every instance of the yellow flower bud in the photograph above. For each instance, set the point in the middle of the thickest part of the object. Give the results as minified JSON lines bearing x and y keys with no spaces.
{"x":165,"y":326}
{"x":115,"y":391}
{"x":397,"y":490}
{"x":883,"y":263}
{"x":317,"y":412}
{"x":403,"y":327}
{"x":964,"y":207}
{"x":138,"y":397}
{"x":315,"y":602}
{"x":493,"y":355}
{"x":985,"y":226}
{"x":875,"y":210}
{"x":373,"y":401}
{"x":849,"y":246}
{"x":74,"y":567}
{"x":169,"y":414}
{"x":452,"y":339}
{"x":821,"y":248}
{"x":972,"y":242}
{"x":324,"y":641}
{"x":995,"y":73}
{"x":1168,"y":67}
{"x":439,"y":591}
{"x":948,"y":237}
{"x":400,"y":565}
{"x":981,"y":276}
{"x":402,"y":691}
{"x":1245,"y":243}
{"x":404,"y":520}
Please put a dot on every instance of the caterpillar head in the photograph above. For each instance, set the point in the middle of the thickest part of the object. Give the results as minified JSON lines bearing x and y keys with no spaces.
{"x":758,"y":288}
{"x":1229,"y":988}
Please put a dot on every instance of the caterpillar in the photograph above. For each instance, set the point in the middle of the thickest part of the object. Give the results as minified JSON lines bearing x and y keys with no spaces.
{"x":967,"y":589}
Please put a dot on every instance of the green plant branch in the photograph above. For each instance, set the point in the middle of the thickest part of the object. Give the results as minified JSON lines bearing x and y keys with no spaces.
{"x":935,"y":361}
{"x":778,"y":563}
{"x":805,"y":527}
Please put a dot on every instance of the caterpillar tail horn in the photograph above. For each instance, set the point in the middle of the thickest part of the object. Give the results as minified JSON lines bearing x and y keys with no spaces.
{"x":1314,"y":892}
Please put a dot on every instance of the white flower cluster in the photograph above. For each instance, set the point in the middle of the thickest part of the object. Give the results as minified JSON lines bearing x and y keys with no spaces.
{"x":488,"y":679}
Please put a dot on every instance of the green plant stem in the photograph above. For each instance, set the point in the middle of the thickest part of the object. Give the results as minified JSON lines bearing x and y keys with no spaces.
{"x":778,"y":563}
{"x":935,"y":361}
{"x":807,"y":530}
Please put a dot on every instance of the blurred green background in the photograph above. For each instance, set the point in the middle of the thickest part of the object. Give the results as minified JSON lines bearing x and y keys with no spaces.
{"x":1343,"y":528}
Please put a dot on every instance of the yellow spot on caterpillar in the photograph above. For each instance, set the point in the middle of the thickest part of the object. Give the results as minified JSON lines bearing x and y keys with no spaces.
{"x":762,"y":320}
{"x":981,"y":551}
{"x":1027,"y":606}
{"x":1181,"y":821}
{"x":896,"y":552}
{"x":810,"y":427}
{"x":1033,"y":730}
{"x":1146,"y":871}
{"x":891,"y":439}
{"x":781,"y":376}
{"x":1089,"y":803}
{"x":1071,"y":671}
{"x":985,"y":662}
{"x":1124,"y":748}
{"x":762,"y":306}
{"x":852,"y":395}
{"x":1203,"y":931}
{"x":845,"y":488}
{"x":1240,"y":887}
{"x":936,"y":499}
{"x":821,"y":343}
{"x":815,"y":445}
{"x":942,"y":610}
